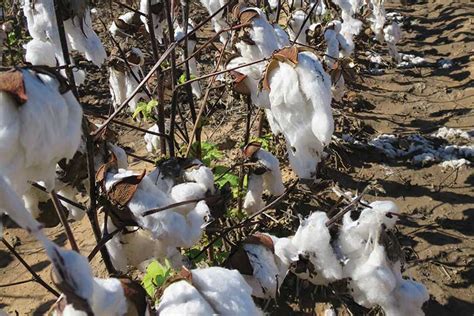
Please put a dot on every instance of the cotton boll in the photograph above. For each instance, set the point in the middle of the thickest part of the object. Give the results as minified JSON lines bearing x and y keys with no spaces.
{"x":253,"y":199}
{"x":253,"y":75}
{"x":218,"y":21}
{"x":185,"y":192}
{"x":296,"y":24}
{"x":312,"y":239}
{"x":350,"y":27}
{"x":264,"y":280}
{"x":225,"y":290}
{"x":409,"y":298}
{"x":317,"y":90}
{"x":377,"y":19}
{"x":392,"y":35}
{"x":40,"y":53}
{"x":108,"y":298}
{"x":202,"y":175}
{"x":158,"y":19}
{"x":178,"y":35}
{"x":262,"y":34}
{"x":161,"y":181}
{"x":133,"y":247}
{"x":272,"y":179}
{"x":123,"y":83}
{"x":181,"y":298}
{"x":38,"y":133}
{"x":152,"y":141}
{"x":282,"y":37}
{"x":83,"y":38}
{"x":308,"y":129}
{"x":11,"y":203}
{"x":373,"y":281}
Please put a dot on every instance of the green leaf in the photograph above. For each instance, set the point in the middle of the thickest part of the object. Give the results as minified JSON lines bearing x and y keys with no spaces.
{"x":156,"y":275}
{"x":12,"y":38}
{"x":145,"y":108}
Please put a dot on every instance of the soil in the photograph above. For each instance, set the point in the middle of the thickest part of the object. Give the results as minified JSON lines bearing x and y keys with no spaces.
{"x":437,"y":234}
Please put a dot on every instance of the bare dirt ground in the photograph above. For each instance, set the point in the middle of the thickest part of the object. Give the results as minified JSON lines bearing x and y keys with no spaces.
{"x":438,"y":235}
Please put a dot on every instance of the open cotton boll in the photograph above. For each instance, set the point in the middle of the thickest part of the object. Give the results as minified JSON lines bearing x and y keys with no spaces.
{"x":392,"y":35}
{"x":272,"y":179}
{"x":253,"y":75}
{"x":108,"y":298}
{"x":158,"y":19}
{"x":153,"y":141}
{"x":37,"y":134}
{"x":181,"y":298}
{"x":130,"y":19}
{"x":83,"y":38}
{"x":178,"y":35}
{"x":11,"y":204}
{"x":264,"y":280}
{"x":281,"y":36}
{"x":225,"y":290}
{"x":161,"y":181}
{"x":40,"y":53}
{"x":409,"y":297}
{"x":253,"y":199}
{"x":312,"y":239}
{"x":133,"y":247}
{"x":122,"y":82}
{"x":218,"y":21}
{"x":308,"y":129}
{"x":377,"y":19}
{"x":373,"y":281}
{"x":295,"y":24}
{"x":350,"y":27}
{"x":202,"y":175}
{"x":262,"y":34}
{"x":185,"y":192}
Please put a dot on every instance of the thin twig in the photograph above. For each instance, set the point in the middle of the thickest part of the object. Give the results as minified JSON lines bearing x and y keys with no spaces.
{"x":62,"y":217}
{"x":30,"y":270}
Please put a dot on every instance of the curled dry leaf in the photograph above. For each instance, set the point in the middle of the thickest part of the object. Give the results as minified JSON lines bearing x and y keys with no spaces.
{"x":239,"y":85}
{"x":12,"y":83}
{"x":250,"y":149}
{"x":261,"y":239}
{"x":136,"y":297}
{"x":122,"y":191}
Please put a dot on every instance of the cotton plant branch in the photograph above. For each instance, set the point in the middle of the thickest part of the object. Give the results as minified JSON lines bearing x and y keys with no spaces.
{"x":35,"y":275}
{"x":62,"y":217}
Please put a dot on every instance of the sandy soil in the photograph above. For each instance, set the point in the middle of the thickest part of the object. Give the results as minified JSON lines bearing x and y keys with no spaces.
{"x":438,"y":235}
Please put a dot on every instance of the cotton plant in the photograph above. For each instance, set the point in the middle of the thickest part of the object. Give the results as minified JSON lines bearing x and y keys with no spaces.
{"x":373,"y":263}
{"x":265,"y":176}
{"x":208,"y":291}
{"x":169,"y":229}
{"x":71,"y":272}
{"x":41,"y":19}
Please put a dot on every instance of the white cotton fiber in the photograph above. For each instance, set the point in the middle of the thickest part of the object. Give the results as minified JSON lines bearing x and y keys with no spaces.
{"x":40,"y":53}
{"x":312,"y":239}
{"x":225,"y":290}
{"x":253,"y":199}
